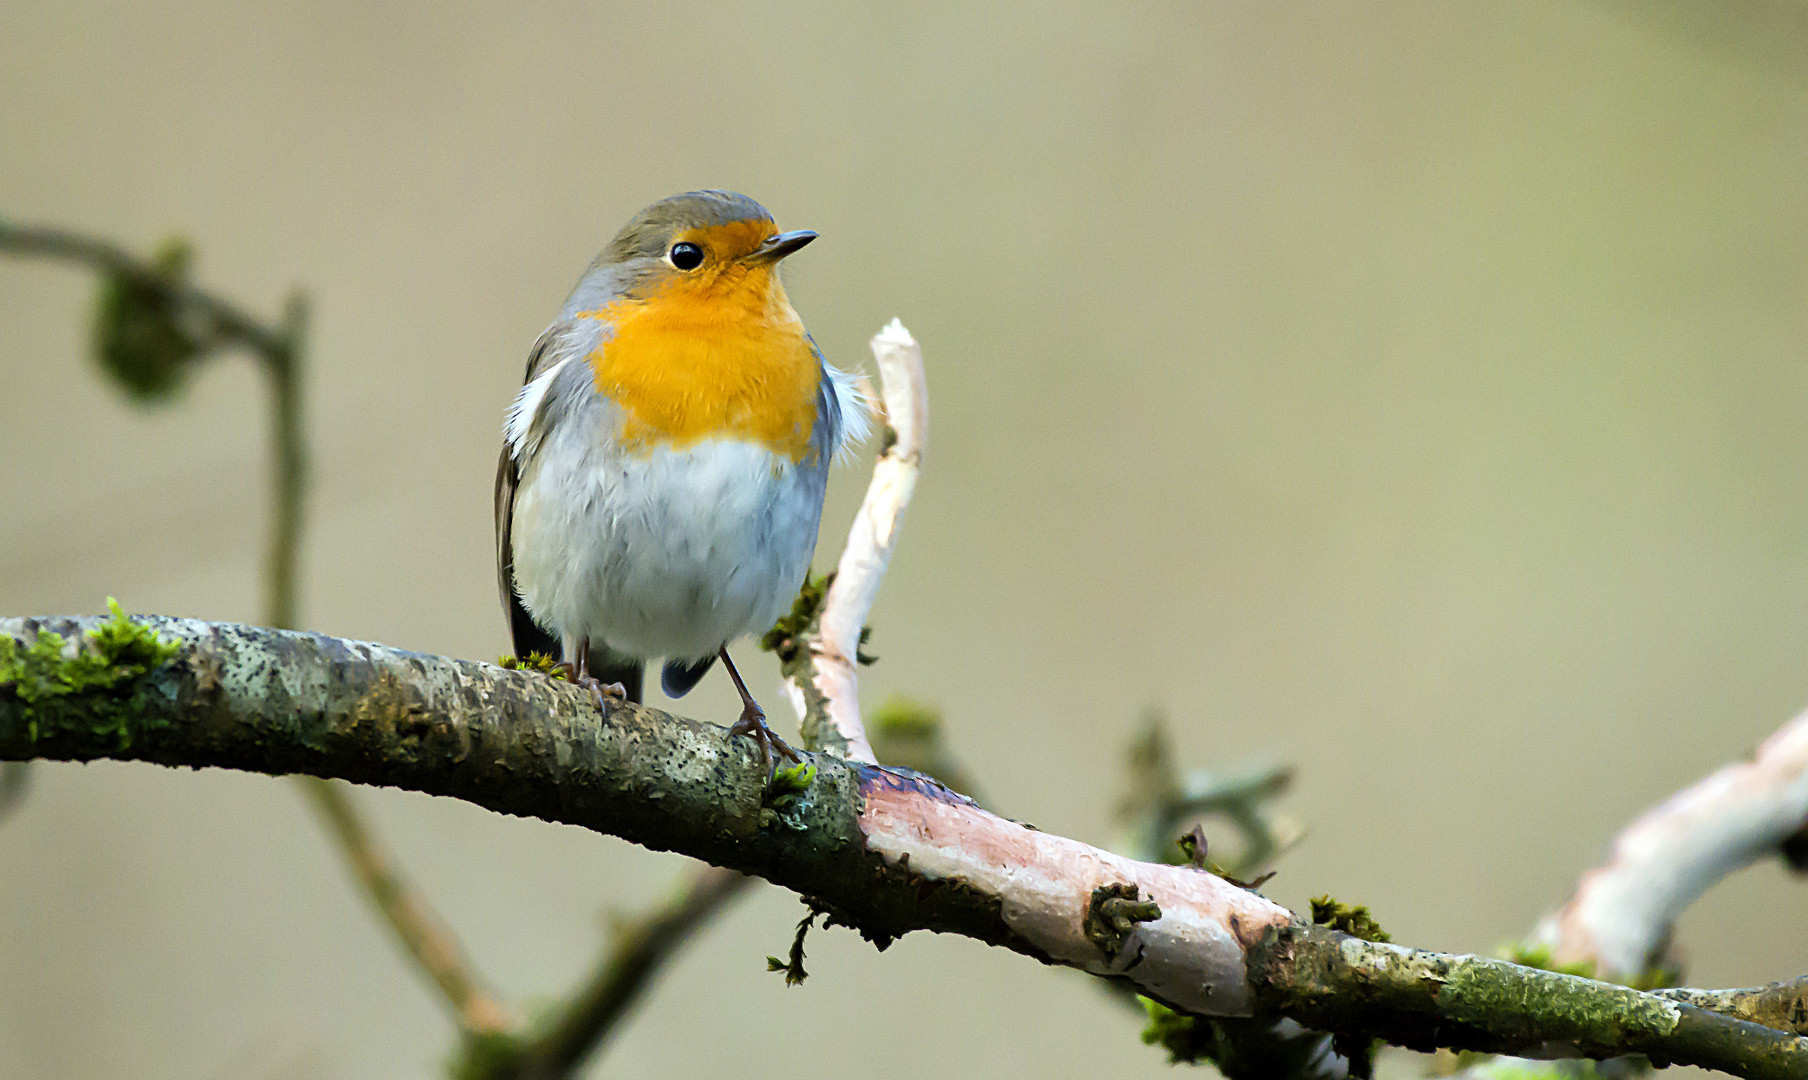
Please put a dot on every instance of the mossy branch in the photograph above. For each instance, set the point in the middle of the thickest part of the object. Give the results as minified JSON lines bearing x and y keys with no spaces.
{"x":882,"y":850}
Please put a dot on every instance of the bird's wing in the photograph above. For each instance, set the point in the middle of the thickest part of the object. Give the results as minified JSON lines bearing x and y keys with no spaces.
{"x":521,"y":439}
{"x":524,"y":633}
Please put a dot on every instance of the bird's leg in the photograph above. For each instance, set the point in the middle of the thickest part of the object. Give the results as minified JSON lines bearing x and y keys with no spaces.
{"x":579,"y":672}
{"x":753,"y":721}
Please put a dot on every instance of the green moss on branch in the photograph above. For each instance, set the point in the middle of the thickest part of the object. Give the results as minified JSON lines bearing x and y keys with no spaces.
{"x":91,"y":685}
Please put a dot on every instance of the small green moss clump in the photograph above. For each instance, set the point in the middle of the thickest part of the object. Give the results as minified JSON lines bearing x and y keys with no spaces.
{"x":488,"y":1055}
{"x":1353,"y":920}
{"x":1539,"y":956}
{"x":1175,"y":1032}
{"x":112,"y":659}
{"x":786,"y":636}
{"x":899,"y":717}
{"x":789,"y":782}
{"x":140,"y":336}
{"x":535,"y":661}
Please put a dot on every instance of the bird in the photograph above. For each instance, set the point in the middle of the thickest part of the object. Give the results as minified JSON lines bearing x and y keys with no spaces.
{"x":664,"y":464}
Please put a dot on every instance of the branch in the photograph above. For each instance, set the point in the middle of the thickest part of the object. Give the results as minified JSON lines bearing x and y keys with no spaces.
{"x":882,"y":850}
{"x":822,"y":674}
{"x":422,"y":934}
{"x":225,"y":319}
{"x":1622,"y":912}
{"x":1781,"y":1005}
{"x":623,"y":974}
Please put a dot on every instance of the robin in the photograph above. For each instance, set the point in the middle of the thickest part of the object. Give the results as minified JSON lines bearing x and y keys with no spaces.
{"x":663,"y":468}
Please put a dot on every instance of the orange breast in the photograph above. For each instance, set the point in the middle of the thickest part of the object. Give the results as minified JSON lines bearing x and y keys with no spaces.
{"x":730,"y":361}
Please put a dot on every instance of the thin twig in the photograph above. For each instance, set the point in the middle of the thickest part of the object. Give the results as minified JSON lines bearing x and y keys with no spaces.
{"x":588,"y":1017}
{"x":826,"y":695}
{"x":288,"y":463}
{"x":1780,"y":1005}
{"x":227,"y":319}
{"x":422,"y":935}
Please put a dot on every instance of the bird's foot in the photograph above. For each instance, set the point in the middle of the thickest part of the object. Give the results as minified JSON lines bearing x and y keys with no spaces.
{"x":604,"y":692}
{"x":753,"y":722}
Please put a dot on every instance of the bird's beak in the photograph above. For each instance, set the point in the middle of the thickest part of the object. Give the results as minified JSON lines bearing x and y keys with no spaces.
{"x":778,"y":246}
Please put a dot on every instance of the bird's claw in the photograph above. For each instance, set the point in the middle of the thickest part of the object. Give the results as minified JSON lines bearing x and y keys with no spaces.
{"x":604,"y":692}
{"x":753,"y":722}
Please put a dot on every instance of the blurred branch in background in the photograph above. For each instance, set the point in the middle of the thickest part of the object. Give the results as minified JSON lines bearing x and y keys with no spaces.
{"x":152,"y":325}
{"x":423,"y":936}
{"x":586,"y":1018}
{"x":1619,"y":925}
{"x":1620,"y":919}
{"x":15,"y":778}
{"x":1163,"y":804}
{"x":1161,"y":819}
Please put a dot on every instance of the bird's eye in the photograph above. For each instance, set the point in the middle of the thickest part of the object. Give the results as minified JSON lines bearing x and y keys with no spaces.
{"x":685,"y":256}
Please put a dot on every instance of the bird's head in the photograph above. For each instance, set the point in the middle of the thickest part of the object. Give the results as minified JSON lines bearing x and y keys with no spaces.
{"x":704,"y":247}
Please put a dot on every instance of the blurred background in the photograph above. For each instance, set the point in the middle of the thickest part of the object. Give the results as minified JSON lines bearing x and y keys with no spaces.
{"x":1413,"y":393}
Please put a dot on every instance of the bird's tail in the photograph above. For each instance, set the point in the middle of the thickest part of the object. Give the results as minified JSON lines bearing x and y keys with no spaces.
{"x":679,"y":676}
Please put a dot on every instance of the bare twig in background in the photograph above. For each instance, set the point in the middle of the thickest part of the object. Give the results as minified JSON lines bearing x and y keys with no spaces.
{"x":825,"y":691}
{"x":289,"y":464}
{"x":151,"y":326}
{"x":423,"y":936}
{"x":1163,"y":801}
{"x":154,"y":323}
{"x":586,"y":1020}
{"x":1623,"y":910}
{"x":221,"y":319}
{"x":1618,"y":924}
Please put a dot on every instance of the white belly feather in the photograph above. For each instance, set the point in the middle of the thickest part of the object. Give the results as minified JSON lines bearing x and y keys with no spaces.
{"x":673,"y":553}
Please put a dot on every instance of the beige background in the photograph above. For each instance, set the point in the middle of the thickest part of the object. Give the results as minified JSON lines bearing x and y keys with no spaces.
{"x":1410,"y":392}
